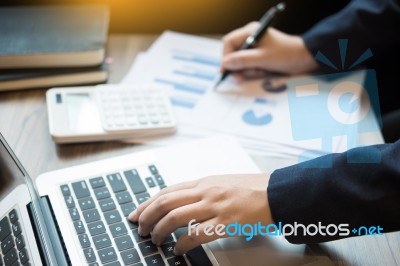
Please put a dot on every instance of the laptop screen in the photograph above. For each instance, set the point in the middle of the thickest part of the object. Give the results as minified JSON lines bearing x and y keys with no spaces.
{"x":10,"y":173}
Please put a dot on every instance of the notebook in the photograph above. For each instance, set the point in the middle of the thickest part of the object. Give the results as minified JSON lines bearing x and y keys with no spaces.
{"x":52,"y":36}
{"x":19,"y":79}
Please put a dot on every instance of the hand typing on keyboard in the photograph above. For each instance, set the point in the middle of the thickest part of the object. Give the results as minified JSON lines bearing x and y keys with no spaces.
{"x":211,"y":200}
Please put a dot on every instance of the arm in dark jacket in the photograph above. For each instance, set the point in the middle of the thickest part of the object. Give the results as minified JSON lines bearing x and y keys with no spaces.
{"x":358,"y":194}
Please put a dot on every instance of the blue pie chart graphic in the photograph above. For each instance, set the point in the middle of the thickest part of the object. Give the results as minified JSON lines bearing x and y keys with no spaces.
{"x":251,"y":118}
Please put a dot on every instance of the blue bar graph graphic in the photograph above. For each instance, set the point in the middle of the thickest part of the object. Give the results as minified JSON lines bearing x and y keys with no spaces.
{"x":196,"y":74}
{"x":183,"y":87}
{"x":183,"y":102}
{"x":197,"y":59}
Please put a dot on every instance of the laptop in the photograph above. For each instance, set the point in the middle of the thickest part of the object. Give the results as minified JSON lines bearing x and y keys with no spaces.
{"x":77,"y":216}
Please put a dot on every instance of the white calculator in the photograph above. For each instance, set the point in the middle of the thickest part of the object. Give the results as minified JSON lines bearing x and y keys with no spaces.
{"x":109,"y":112}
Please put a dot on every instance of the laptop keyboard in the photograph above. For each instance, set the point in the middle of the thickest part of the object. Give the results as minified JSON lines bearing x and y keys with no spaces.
{"x":99,"y":208}
{"x":13,"y":250}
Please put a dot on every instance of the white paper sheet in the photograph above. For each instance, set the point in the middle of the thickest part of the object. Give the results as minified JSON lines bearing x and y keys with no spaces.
{"x":188,"y":67}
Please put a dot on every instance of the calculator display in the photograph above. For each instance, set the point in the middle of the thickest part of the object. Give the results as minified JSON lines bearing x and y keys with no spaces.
{"x":83,"y":116}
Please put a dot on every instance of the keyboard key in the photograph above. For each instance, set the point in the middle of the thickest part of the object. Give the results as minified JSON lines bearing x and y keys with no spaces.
{"x":159,"y":180}
{"x":130,"y":256}
{"x":153,"y":169}
{"x":142,"y":197}
{"x":79,"y":228}
{"x":91,"y":215}
{"x":89,"y":255}
{"x":94,"y":264}
{"x":107,"y":205}
{"x":168,"y":239}
{"x":74,"y":214}
{"x":19,"y":240}
{"x":97,"y":182}
{"x":155,"y":260}
{"x":107,"y":255}
{"x":115,"y":263}
{"x":70,"y":202}
{"x":132,"y":226}
{"x":124,"y":242}
{"x":147,"y":248}
{"x":16,"y":228}
{"x":7,"y":244}
{"x":116,"y":182}
{"x":102,"y":193}
{"x":23,"y":256}
{"x":123,"y":197}
{"x":13,"y":216}
{"x":168,"y":249}
{"x":86,"y":203}
{"x":65,"y":190}
{"x":102,"y":241}
{"x":177,"y":261}
{"x":140,"y":238}
{"x":128,"y":208}
{"x":81,"y":190}
{"x":118,"y":229}
{"x":112,"y":217}
{"x":84,"y":240}
{"x":96,"y":228}
{"x":150,"y":182}
{"x":10,"y":257}
{"x":5,"y":228}
{"x":134,"y":181}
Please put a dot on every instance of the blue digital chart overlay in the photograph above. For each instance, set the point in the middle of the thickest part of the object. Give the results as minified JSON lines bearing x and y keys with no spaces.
{"x":339,"y":104}
{"x":259,"y":115}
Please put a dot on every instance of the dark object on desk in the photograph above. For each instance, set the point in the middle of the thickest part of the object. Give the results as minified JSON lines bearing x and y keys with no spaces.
{"x":18,"y":79}
{"x":53,"y":36}
{"x":274,"y":87}
{"x":249,"y":43}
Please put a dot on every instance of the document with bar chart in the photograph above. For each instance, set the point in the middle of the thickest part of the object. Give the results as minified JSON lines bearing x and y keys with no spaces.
{"x":187,"y":67}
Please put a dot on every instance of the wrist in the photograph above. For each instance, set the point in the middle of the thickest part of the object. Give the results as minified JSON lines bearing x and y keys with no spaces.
{"x":302,"y":59}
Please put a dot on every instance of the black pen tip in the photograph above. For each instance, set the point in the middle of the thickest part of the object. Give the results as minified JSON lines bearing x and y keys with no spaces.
{"x":217,"y":84}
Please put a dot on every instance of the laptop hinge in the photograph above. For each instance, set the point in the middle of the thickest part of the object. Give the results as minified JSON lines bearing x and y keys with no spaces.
{"x":56,"y":240}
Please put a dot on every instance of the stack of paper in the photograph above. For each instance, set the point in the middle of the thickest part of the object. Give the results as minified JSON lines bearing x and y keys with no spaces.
{"x":188,"y":67}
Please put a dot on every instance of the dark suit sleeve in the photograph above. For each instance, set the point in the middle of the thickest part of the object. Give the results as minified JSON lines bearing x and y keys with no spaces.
{"x":365,"y":23}
{"x":358,"y":194}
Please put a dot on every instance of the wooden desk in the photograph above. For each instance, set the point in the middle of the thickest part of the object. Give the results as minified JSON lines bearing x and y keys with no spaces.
{"x":23,"y":122}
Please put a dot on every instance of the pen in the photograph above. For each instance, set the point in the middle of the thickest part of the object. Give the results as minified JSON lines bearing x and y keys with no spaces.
{"x":265,"y":21}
